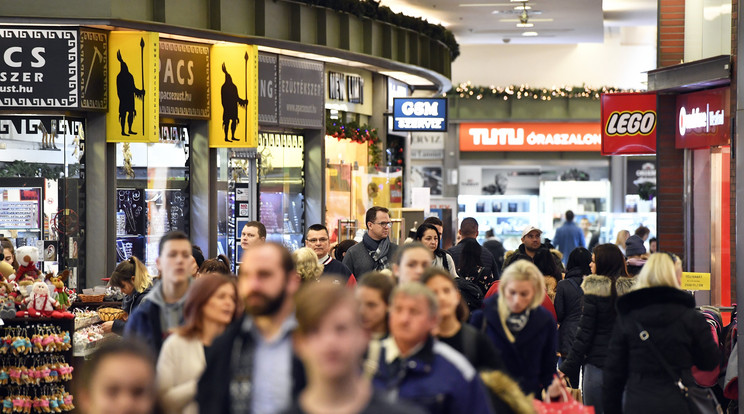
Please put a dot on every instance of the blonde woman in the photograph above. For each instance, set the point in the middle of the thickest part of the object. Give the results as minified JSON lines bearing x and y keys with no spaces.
{"x":524,"y":332}
{"x":132,"y":278}
{"x":635,"y":380}
{"x":622,"y":237}
{"x":307,"y":264}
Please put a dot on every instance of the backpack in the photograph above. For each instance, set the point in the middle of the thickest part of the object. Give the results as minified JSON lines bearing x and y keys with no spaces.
{"x":470,"y":292}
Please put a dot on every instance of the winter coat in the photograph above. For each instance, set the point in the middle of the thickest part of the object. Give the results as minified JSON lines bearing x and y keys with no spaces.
{"x":568,"y":237}
{"x":531,"y":358}
{"x":436,"y":378}
{"x":677,"y":330}
{"x":130,"y":303}
{"x":596,"y":323}
{"x":568,"y":304}
{"x":146,"y":321}
{"x":489,"y":264}
{"x":510,"y":256}
{"x":180,"y":365}
{"x":359,"y":262}
{"x":213,"y":388}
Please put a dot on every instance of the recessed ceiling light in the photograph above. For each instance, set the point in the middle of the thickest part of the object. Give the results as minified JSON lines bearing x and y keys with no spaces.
{"x":529,"y":34}
{"x":523,"y":7}
{"x":525,"y":25}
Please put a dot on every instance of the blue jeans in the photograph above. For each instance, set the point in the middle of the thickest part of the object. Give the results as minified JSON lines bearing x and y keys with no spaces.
{"x":592,"y":387}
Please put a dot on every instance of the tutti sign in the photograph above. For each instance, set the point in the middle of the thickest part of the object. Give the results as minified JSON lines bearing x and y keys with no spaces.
{"x":703,"y":118}
{"x":629,"y":123}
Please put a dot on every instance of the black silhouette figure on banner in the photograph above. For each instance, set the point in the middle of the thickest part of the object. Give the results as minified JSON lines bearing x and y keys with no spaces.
{"x":230,"y":102}
{"x":127,"y":91}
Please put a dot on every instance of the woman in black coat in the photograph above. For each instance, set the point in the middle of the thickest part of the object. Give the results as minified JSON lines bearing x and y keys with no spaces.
{"x":601,"y":289}
{"x":675,"y":328}
{"x":568,"y":302}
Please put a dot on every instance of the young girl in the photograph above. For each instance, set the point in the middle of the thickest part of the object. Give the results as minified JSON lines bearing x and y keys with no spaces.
{"x":373,"y":293}
{"x":211,"y":305}
{"x":132,"y":278}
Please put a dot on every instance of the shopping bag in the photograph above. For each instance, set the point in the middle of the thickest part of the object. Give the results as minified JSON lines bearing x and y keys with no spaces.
{"x":575,"y":393}
{"x":568,"y":405}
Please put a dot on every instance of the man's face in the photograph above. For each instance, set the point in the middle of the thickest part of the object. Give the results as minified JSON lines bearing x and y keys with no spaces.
{"x":413,"y":264}
{"x":585,"y":225}
{"x":175,"y":261}
{"x":411,"y":320}
{"x":318,"y":241}
{"x":262,"y":284}
{"x":380,"y":228}
{"x":249,"y":237}
{"x":334,"y":350}
{"x":531,"y":240}
{"x":121,"y":384}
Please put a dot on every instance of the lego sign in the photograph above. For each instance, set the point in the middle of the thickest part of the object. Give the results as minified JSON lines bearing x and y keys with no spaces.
{"x":628,"y":123}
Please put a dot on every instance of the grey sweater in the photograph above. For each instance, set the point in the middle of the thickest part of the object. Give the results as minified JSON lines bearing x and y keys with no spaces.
{"x":358,"y":260}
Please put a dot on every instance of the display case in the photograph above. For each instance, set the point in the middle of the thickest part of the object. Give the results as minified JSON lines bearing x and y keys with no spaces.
{"x":587,"y":199}
{"x":506,"y":215}
{"x":610,"y":224}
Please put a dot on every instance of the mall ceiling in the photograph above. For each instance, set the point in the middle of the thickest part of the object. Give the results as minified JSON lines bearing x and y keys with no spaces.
{"x":530,"y":22}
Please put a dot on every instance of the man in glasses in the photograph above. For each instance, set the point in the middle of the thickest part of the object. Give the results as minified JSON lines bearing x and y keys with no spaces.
{"x":318,"y":240}
{"x":376,"y":249}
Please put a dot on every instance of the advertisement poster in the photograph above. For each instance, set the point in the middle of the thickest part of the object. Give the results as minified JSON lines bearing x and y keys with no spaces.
{"x":430,"y":177}
{"x":301,"y":92}
{"x":93,"y":69}
{"x":184,"y":79}
{"x":234,"y":84}
{"x":39,"y":68}
{"x":133,"y":113}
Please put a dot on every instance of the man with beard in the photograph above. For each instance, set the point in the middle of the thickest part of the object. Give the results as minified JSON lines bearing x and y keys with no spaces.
{"x":530,"y":244}
{"x":251,"y":368}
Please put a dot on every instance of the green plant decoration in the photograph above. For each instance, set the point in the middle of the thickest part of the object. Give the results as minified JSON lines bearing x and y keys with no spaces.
{"x":647,"y":191}
{"x":31,"y":169}
{"x":357,"y":133}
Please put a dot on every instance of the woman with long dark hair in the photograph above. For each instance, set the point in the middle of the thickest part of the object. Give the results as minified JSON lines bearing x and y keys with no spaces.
{"x":429,"y":235}
{"x":609,"y":280}
{"x":211,"y":304}
{"x":134,"y":281}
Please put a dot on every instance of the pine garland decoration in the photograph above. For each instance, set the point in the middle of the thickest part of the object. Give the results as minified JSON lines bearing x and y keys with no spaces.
{"x":357,"y":133}
{"x":468,"y":91}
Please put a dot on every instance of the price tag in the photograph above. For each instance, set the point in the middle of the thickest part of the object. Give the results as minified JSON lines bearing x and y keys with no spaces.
{"x":695,"y":281}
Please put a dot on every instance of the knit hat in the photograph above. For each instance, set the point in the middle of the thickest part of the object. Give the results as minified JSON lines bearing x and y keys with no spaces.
{"x":634,"y":246}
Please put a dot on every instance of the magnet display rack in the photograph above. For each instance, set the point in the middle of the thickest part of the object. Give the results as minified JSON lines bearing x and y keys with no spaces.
{"x":37,"y":387}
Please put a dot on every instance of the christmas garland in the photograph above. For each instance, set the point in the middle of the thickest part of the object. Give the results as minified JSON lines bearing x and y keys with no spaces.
{"x":357,"y":133}
{"x":468,"y":91}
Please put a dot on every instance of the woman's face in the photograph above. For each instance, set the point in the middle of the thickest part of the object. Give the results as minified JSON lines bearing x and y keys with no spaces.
{"x":121,"y":384}
{"x":519,"y":294}
{"x":413,"y":263}
{"x":8,"y":256}
{"x":430,"y":239}
{"x":593,"y":265}
{"x":447,"y":295}
{"x":127,"y":288}
{"x":373,"y":309}
{"x":220,"y":308}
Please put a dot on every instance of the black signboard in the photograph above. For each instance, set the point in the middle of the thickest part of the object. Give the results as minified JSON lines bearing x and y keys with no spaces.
{"x":184,"y":79}
{"x":268,"y":89}
{"x":39,"y":67}
{"x":336,"y":86}
{"x":355,"y":89}
{"x":301,"y":93}
{"x":93,"y":69}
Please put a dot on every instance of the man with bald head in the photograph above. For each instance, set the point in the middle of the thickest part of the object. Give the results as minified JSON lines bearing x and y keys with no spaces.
{"x":251,"y":368}
{"x":469,"y":230}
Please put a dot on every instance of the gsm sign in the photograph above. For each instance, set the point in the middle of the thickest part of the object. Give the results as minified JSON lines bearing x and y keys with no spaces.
{"x":631,"y":123}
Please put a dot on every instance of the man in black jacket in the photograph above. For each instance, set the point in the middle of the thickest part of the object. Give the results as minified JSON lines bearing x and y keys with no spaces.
{"x":251,"y":368}
{"x":469,"y":230}
{"x":317,"y":239}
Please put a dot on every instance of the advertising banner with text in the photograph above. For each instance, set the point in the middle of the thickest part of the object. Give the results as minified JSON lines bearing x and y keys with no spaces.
{"x":531,"y":136}
{"x":184,"y":79}
{"x":628,"y":123}
{"x":301,"y":93}
{"x":704,"y":118}
{"x":133,"y":108}
{"x":234,"y":79}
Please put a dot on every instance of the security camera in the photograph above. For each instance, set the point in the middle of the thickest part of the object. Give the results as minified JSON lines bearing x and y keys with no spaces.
{"x":506,"y":40}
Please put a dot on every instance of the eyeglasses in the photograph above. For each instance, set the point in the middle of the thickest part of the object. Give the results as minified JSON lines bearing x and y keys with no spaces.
{"x":321,"y":240}
{"x":385,"y":224}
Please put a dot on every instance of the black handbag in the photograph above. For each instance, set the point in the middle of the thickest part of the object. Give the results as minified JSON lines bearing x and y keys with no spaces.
{"x":699,"y":400}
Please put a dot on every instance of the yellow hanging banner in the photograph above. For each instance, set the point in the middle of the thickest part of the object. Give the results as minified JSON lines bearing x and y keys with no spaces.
{"x":133,"y":101}
{"x":695,"y":281}
{"x":234,"y":93}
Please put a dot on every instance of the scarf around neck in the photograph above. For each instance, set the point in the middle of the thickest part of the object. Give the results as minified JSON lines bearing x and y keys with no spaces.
{"x":377,"y":250}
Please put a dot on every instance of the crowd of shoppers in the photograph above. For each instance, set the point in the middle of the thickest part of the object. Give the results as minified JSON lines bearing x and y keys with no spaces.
{"x":375,"y":327}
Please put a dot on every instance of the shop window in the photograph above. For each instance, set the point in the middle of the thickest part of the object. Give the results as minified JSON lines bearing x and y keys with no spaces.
{"x":152,"y":190}
{"x":42,"y":189}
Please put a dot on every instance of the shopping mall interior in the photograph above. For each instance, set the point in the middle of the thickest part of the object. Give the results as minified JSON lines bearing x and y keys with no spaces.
{"x":201,"y":116}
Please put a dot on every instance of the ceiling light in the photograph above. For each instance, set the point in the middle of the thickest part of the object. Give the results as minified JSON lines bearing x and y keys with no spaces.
{"x":525,"y":25}
{"x":529,"y":34}
{"x":523,"y":7}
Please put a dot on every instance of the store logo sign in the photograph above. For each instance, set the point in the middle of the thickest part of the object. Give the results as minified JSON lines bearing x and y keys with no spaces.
{"x":629,"y":123}
{"x":583,"y":136}
{"x":698,"y":120}
{"x":417,"y":114}
{"x":703,"y":118}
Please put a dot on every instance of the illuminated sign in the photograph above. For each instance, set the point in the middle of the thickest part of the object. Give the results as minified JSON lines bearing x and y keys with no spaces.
{"x":418,"y":114}
{"x":703,"y":118}
{"x":628,"y":123}
{"x":530,"y":136}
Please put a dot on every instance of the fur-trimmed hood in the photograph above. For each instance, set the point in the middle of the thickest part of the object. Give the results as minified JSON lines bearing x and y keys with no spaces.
{"x":602,"y":285}
{"x":521,"y":249}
